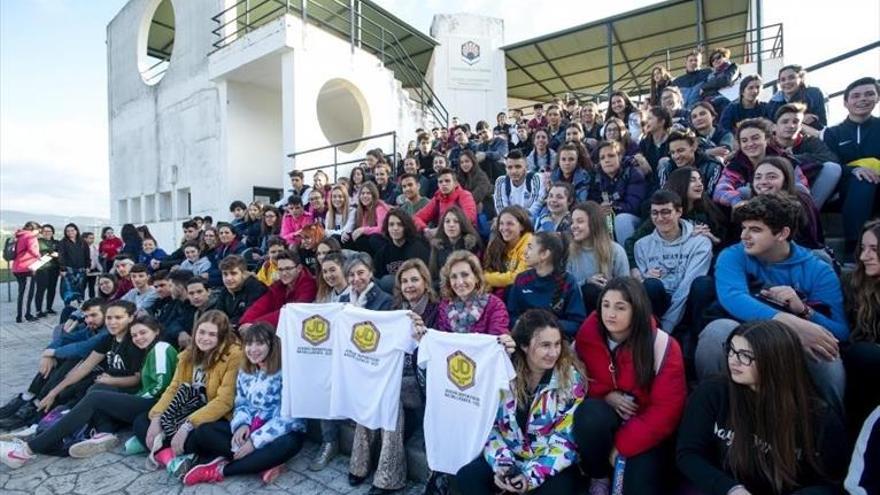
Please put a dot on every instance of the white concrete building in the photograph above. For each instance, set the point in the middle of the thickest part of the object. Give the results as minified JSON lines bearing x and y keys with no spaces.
{"x":207,"y":98}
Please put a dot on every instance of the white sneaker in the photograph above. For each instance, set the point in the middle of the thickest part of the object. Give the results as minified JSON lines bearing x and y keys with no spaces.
{"x":13,"y":454}
{"x":22,"y":433}
{"x":100,"y":442}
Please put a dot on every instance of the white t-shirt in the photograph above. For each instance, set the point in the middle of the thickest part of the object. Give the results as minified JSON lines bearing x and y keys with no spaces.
{"x":307,"y":333}
{"x":368,"y":365}
{"x":465,"y":375}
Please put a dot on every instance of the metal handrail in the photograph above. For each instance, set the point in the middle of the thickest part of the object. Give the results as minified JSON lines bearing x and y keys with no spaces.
{"x":335,"y":147}
{"x":382,"y":43}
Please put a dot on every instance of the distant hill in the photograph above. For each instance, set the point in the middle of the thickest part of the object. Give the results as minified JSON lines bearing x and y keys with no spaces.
{"x":10,"y":220}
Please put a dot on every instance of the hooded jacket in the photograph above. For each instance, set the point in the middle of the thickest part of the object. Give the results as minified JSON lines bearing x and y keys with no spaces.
{"x":545,"y":445}
{"x":434,"y":210}
{"x":709,"y":167}
{"x":514,"y":260}
{"x":175,"y":316}
{"x":660,"y":407}
{"x":291,"y":226}
{"x":477,"y":183}
{"x":738,"y":276}
{"x":681,"y":260}
{"x":235,"y":304}
{"x":580,"y":180}
{"x":559,"y":293}
{"x":812,"y":97}
{"x":740,"y":171}
{"x":626,"y":191}
{"x":27,"y":251}
{"x":268,"y":307}
{"x":532,"y":196}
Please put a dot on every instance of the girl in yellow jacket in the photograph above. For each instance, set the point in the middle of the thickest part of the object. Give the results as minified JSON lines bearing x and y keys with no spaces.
{"x":505,"y":256}
{"x":209,"y":366}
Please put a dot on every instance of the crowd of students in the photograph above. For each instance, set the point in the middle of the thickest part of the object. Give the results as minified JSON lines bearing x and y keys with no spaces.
{"x":622,"y":260}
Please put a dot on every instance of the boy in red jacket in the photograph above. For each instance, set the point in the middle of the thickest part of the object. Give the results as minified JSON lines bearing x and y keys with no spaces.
{"x":294,"y":284}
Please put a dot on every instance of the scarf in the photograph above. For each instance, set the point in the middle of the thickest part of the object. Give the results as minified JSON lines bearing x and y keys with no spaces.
{"x":420,"y":305}
{"x":463,"y":314}
{"x":360,"y":300}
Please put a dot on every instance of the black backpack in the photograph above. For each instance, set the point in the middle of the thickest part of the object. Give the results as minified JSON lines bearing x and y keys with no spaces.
{"x":508,"y":185}
{"x":9,"y":249}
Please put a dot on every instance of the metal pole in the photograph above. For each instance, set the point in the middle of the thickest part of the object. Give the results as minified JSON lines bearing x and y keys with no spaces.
{"x":351,"y":23}
{"x":609,"y":39}
{"x":305,"y":8}
{"x":759,"y":20}
{"x":335,"y":160}
{"x":701,"y":36}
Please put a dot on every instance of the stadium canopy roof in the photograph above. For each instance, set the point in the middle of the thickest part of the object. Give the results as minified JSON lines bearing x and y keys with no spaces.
{"x":577,"y":60}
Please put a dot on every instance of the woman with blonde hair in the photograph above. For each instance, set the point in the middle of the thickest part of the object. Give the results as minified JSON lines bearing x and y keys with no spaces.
{"x":340,"y":214}
{"x":466,"y":306}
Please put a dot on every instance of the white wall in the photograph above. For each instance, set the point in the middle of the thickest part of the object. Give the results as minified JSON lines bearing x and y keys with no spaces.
{"x":475,"y":91}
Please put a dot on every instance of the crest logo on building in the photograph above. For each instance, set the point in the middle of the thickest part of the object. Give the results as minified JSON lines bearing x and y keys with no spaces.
{"x":461,"y":370}
{"x":315,"y":330}
{"x":365,"y":336}
{"x":470,"y":53}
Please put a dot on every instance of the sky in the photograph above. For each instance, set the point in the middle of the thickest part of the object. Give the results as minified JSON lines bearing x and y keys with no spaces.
{"x":53,"y":87}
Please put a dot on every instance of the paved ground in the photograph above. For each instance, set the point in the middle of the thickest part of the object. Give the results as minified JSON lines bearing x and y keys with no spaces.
{"x":112,"y":472}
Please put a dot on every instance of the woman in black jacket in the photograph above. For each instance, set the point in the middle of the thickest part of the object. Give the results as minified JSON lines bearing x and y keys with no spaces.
{"x":762,"y":429}
{"x":400,"y":241}
{"x":133,"y":243}
{"x":74,"y":258}
{"x":47,"y":275}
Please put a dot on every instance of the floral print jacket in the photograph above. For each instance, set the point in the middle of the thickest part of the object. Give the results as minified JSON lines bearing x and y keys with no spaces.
{"x":258,"y":405}
{"x":547,"y":445}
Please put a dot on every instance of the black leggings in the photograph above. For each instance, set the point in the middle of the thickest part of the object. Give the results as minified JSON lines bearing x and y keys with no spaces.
{"x":477,"y":478}
{"x":105,"y":409}
{"x":595,"y":424}
{"x":47,"y":285}
{"x":22,"y":279}
{"x":41,"y":386}
{"x":142,"y":424}
{"x":212,"y":440}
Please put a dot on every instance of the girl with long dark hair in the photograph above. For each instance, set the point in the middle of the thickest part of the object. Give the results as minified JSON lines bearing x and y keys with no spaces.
{"x":762,"y":428}
{"x":74,"y":259}
{"x":636,"y":394}
{"x":132,"y":242}
{"x":621,"y":107}
{"x":532,"y":445}
{"x":546,"y":284}
{"x":456,"y":232}
{"x":697,"y":206}
{"x":505,"y":255}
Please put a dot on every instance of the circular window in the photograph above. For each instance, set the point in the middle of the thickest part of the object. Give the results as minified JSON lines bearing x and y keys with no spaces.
{"x":343,"y":113}
{"x":156,"y":41}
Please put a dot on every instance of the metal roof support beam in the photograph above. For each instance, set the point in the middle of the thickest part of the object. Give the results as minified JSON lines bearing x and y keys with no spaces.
{"x":541,"y":52}
{"x":609,"y":29}
{"x":529,"y":74}
{"x":625,"y":58}
{"x":759,"y":18}
{"x":701,"y":23}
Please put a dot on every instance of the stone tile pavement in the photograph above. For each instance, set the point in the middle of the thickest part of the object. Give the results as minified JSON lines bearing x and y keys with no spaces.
{"x":113,"y":473}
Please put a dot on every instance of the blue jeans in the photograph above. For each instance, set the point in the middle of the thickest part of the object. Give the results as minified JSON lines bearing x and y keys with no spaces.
{"x":825,"y":183}
{"x":859,"y":197}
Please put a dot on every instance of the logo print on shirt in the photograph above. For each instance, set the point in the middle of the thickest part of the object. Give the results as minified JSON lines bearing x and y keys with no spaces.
{"x":365,"y":336}
{"x":315,"y":330}
{"x":461,"y":370}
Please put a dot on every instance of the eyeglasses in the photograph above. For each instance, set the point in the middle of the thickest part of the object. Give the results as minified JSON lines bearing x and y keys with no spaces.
{"x":662,"y":213}
{"x":743,"y":357}
{"x":287,"y":269}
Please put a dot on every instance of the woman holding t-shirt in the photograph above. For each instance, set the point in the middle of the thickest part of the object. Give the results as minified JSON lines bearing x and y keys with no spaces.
{"x":636,"y":394}
{"x":531,"y":447}
{"x":762,"y":429}
{"x":257,"y":439}
{"x":202,"y":391}
{"x":104,"y":409}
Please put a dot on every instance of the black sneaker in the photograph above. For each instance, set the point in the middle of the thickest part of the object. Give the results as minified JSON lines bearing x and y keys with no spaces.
{"x":30,"y":317}
{"x":12,"y":406}
{"x":41,"y":314}
{"x":25,"y":416}
{"x":51,"y":312}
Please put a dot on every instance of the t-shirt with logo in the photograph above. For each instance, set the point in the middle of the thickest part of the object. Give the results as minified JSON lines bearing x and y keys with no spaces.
{"x":121,"y":358}
{"x":368,"y":367}
{"x":465,"y":376}
{"x":306,"y":332}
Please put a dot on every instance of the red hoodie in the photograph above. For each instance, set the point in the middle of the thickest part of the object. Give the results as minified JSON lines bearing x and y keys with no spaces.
{"x":268,"y":307}
{"x":434,"y":210}
{"x":27,"y":251}
{"x":660,"y":408}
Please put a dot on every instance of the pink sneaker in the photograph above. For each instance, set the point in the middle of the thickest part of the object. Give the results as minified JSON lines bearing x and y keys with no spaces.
{"x":211,"y":472}
{"x":14,"y":454}
{"x":164,"y":456}
{"x":270,"y":475}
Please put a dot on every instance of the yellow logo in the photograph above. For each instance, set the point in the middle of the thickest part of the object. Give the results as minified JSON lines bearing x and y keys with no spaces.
{"x":461,"y":370}
{"x":365,"y":336}
{"x":315,"y":330}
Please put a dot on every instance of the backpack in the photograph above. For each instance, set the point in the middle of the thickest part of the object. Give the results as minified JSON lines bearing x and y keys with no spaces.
{"x":9,"y":249}
{"x":508,"y":185}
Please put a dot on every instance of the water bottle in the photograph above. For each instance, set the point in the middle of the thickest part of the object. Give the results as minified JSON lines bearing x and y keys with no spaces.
{"x":617,"y":479}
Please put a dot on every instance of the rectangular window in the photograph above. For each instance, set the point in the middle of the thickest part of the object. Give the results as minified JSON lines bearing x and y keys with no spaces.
{"x":135,"y":211}
{"x":122,"y":214}
{"x":267,"y":195}
{"x":165,"y":209}
{"x":149,"y":208}
{"x":184,"y":203}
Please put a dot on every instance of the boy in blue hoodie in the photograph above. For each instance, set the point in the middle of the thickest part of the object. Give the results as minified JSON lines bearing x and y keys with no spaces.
{"x":767,"y":276}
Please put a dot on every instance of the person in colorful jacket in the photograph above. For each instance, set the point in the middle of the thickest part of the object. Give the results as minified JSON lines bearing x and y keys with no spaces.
{"x":257,"y":439}
{"x":532,"y":444}
{"x":104,"y":409}
{"x":637,"y":390}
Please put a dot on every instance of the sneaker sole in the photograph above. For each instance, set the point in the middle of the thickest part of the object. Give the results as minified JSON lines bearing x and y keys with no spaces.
{"x":183,"y":478}
{"x":91,"y":448}
{"x":270,"y":475}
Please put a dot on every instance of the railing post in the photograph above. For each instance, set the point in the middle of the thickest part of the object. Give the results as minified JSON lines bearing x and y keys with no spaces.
{"x":351,"y":23}
{"x":305,"y":9}
{"x":758,"y":20}
{"x":610,"y":39}
{"x":335,"y":166}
